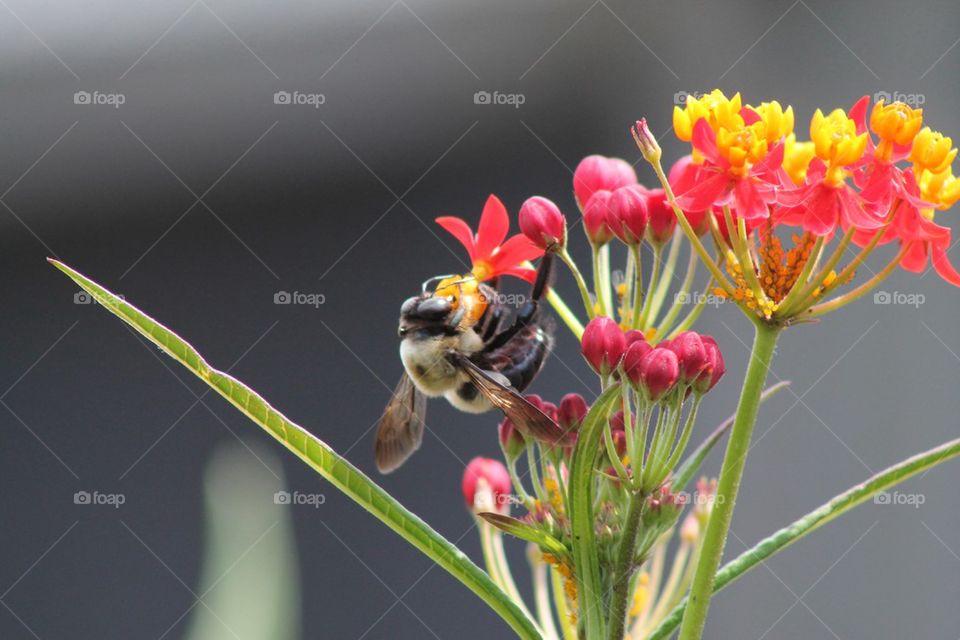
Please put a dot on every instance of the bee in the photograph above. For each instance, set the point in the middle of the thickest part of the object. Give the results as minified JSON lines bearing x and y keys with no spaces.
{"x":458,"y":340}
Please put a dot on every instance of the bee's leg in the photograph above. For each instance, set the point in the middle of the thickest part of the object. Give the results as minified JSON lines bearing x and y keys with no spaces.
{"x":493,"y":316}
{"x":529,"y":311}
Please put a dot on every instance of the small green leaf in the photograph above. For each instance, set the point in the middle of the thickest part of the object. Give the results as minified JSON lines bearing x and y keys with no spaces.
{"x":318,"y":455}
{"x":585,"y":559}
{"x":527,"y":532}
{"x":689,"y":467}
{"x":856,"y":495}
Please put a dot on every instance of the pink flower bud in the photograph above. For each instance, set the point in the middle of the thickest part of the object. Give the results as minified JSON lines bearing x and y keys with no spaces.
{"x":595,"y":218}
{"x":573,"y":409}
{"x":511,"y":440}
{"x":542,"y":222}
{"x":602,"y":344}
{"x":659,"y":372}
{"x":663,"y":220}
{"x":598,"y":172}
{"x":714,"y":370}
{"x":632,"y":359}
{"x":634,"y":335}
{"x":684,"y":175}
{"x":646,"y":141}
{"x":692,"y":355}
{"x":548,"y":408}
{"x":627,"y":213}
{"x":490,"y":479}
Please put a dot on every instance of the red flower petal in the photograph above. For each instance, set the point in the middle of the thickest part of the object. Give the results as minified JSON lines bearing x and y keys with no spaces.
{"x":530,"y":275}
{"x":493,"y":227}
{"x":516,"y":249}
{"x":712,"y":189}
{"x":942,"y":263}
{"x":461,"y":231}
{"x":704,"y":140}
{"x":915,"y":259}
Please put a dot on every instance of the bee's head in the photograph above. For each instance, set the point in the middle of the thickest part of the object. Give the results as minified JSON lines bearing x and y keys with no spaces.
{"x":455,"y":303}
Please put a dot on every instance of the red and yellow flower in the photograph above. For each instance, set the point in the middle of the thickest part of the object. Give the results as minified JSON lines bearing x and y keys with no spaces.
{"x":491,"y":253}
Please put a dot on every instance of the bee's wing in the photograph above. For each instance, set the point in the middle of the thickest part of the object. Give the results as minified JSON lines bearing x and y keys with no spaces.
{"x":531,"y":421}
{"x":400,"y":430}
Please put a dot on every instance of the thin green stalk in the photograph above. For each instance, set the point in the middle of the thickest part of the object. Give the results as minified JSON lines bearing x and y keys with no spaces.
{"x":637,"y":287}
{"x":731,"y":473}
{"x":681,"y":297}
{"x":652,"y":285}
{"x":541,"y":596}
{"x":581,"y":283}
{"x":603,"y":295}
{"x":866,"y":287}
{"x":669,"y":267}
{"x":624,"y":567}
{"x":605,"y":274}
{"x":694,"y":314}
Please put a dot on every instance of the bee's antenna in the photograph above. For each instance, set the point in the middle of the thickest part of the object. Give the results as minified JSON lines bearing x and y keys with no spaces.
{"x":428,"y":281}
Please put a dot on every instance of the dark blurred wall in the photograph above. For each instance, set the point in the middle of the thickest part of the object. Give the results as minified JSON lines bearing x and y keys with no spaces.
{"x":200,"y":198}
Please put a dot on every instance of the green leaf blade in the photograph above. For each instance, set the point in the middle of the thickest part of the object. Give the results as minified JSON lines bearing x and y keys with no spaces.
{"x":834,"y":508}
{"x":317,"y":454}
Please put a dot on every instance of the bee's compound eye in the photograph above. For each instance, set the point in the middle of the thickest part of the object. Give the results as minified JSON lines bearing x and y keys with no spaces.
{"x":434,"y":308}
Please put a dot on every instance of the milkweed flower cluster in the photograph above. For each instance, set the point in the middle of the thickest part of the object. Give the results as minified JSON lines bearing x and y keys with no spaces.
{"x":867,"y":176}
{"x":773,"y":217}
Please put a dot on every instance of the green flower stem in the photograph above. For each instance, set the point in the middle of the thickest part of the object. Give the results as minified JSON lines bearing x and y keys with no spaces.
{"x":566,"y":314}
{"x":694,"y":314}
{"x":637,"y":286}
{"x":808,"y":287}
{"x":518,"y":484}
{"x":652,"y":285}
{"x":866,"y":287}
{"x":603,"y":294}
{"x":836,"y":507}
{"x":669,"y":268}
{"x":506,"y":577}
{"x":731,"y":473}
{"x":581,"y":283}
{"x":611,"y":448}
{"x":605,"y":282}
{"x":624,"y":567}
{"x":682,"y":294}
{"x":541,"y":596}
{"x":685,"y":435}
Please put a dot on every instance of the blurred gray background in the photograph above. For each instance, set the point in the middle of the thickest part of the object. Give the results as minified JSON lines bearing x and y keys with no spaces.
{"x":199,"y":198}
